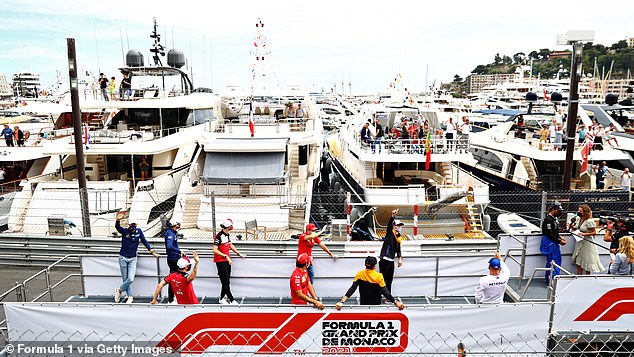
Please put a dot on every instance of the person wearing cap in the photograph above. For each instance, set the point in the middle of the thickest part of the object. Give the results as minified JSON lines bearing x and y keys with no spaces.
{"x":491,"y":287}
{"x":371,"y":286}
{"x":551,"y":240}
{"x":181,"y":282}
{"x":391,"y":250}
{"x":222,"y":248}
{"x":306,"y":243}
{"x":302,"y":291}
{"x":130,"y":238}
{"x":173,"y":253}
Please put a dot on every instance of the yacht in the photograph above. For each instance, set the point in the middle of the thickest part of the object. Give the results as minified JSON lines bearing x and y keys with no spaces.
{"x":26,"y":84}
{"x":510,"y":156}
{"x":159,"y":123}
{"x":441,"y":198}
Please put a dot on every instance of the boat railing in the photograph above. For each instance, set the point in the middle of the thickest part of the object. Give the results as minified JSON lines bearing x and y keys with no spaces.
{"x":437,"y":144}
{"x":270,"y":124}
{"x":119,"y":136}
{"x":550,"y":287}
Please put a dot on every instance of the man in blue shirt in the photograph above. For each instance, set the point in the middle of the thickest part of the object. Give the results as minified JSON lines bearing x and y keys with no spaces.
{"x":7,"y":133}
{"x":130,"y":238}
{"x":173,"y":254}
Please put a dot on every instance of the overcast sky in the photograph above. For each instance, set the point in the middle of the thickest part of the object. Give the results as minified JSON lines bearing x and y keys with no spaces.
{"x":319,"y":42}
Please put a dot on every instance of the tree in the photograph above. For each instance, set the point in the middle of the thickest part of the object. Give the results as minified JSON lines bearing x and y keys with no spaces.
{"x":534,"y":55}
{"x":619,"y":45}
{"x":497,"y":60}
{"x":544,"y":53}
{"x":506,"y":60}
{"x":519,"y":58}
{"x":480,"y":69}
{"x":457,"y":79}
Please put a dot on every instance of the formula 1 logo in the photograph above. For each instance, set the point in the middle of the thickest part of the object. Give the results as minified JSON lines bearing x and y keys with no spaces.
{"x":276,"y":332}
{"x":609,"y":307}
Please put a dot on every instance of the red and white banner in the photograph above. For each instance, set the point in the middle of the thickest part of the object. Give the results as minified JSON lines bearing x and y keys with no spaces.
{"x":588,"y":303}
{"x":198,"y":329}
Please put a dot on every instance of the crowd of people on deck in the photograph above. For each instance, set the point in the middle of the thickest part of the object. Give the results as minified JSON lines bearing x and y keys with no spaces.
{"x":411,"y":133}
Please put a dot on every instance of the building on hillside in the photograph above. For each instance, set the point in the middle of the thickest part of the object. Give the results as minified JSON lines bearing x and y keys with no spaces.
{"x":630,"y":42}
{"x":476,"y":82}
{"x":560,"y":54}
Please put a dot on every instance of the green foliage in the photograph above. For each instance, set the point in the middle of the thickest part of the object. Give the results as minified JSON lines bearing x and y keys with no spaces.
{"x":547,"y":67}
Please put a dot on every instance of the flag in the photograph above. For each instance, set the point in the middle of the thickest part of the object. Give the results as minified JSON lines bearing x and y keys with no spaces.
{"x":585,"y":150}
{"x":86,"y":135}
{"x":428,"y":150}
{"x":251,"y":125}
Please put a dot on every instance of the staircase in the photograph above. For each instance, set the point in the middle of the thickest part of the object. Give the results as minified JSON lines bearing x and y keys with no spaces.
{"x":445,"y":171}
{"x":293,"y":162}
{"x":473,"y":216}
{"x":532,"y":174}
{"x":101,"y":166}
{"x":192,"y":208}
{"x":296,"y":218}
{"x":96,"y":121}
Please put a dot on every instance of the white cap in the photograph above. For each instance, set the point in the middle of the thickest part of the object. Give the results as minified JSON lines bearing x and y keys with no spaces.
{"x":226,"y":223}
{"x":397,"y":222}
{"x":183,"y":263}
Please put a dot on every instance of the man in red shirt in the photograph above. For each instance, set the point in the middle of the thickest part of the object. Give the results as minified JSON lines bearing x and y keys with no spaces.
{"x":306,"y":243}
{"x":301,"y":287}
{"x":222,"y":257}
{"x":181,"y":282}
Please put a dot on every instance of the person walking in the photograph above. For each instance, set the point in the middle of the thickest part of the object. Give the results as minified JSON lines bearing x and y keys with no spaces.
{"x":112,"y":86}
{"x":181,"y":282}
{"x":305,"y":244}
{"x":601,"y":171}
{"x":551,"y":240}
{"x":125,"y":88}
{"x":130,"y":238}
{"x":371,"y":286}
{"x":173,"y":254}
{"x":378,"y":136}
{"x":391,"y":249}
{"x":626,"y":179}
{"x":586,"y":255}
{"x":144,"y":167}
{"x":491,"y":287}
{"x":7,"y":133}
{"x":624,"y":259}
{"x":222,"y":248}
{"x":19,"y":136}
{"x":103,"y":86}
{"x":302,"y":291}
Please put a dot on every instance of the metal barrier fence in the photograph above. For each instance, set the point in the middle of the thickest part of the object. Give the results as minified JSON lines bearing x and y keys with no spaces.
{"x":31,"y":219}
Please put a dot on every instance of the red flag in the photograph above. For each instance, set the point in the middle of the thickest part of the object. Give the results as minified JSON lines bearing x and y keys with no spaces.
{"x":585,"y":150}
{"x":251,"y":125}
{"x":428,"y":151}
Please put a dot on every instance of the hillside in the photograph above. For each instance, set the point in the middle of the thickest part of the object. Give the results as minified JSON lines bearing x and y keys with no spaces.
{"x":546,"y":63}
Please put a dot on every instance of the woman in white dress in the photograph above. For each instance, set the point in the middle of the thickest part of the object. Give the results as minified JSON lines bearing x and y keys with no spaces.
{"x":586,"y":255}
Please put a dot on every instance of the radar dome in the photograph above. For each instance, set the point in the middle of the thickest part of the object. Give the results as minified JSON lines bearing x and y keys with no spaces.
{"x":531,"y":97}
{"x":134,"y":58}
{"x":611,"y":99}
{"x":175,"y":58}
{"x":556,"y":97}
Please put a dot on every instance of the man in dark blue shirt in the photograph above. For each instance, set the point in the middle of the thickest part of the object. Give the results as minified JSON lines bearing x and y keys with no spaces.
{"x":551,"y":240}
{"x":130,"y":238}
{"x":173,"y":254}
{"x":7,"y":133}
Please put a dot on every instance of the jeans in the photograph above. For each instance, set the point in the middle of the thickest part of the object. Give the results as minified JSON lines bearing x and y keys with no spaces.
{"x":311,"y":272}
{"x":553,"y":253}
{"x":104,"y":93}
{"x":173,"y":268}
{"x":377,"y":142}
{"x":128,"y":270}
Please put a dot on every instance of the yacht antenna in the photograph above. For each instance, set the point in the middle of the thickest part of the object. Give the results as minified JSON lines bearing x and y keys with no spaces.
{"x":157,"y":49}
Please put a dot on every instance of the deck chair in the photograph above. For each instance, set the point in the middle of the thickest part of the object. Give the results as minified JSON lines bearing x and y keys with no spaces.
{"x":252,"y":228}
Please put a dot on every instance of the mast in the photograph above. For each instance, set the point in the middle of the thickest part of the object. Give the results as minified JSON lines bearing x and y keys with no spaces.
{"x":157,"y":49}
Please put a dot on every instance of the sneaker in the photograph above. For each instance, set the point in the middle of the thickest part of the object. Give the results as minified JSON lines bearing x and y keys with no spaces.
{"x":129,"y":300}
{"x":173,"y":302}
{"x":117,"y":295}
{"x":223,"y":301}
{"x":233,"y":302}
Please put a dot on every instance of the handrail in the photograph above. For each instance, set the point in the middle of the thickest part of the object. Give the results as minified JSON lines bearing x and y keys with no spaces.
{"x":553,"y":265}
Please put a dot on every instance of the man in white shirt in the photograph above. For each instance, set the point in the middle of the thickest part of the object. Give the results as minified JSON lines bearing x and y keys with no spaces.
{"x":450,"y":133}
{"x":491,"y":288}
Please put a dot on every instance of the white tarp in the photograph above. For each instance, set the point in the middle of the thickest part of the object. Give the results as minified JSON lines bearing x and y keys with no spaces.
{"x":591,"y":303}
{"x":268,"y":277}
{"x":200,"y":329}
